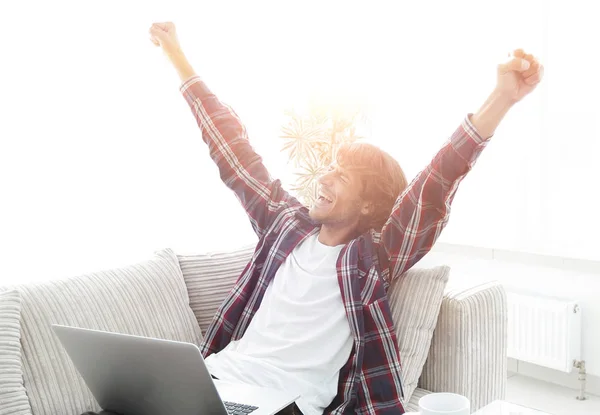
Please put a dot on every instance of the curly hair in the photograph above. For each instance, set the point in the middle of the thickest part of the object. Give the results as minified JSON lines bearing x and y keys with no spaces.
{"x":382,"y":180}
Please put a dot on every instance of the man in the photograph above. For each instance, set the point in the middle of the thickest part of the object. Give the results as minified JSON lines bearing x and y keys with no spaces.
{"x":310,"y":312}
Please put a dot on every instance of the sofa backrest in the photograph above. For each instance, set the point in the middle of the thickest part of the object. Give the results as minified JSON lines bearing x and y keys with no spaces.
{"x":175,"y":297}
{"x":210,"y":277}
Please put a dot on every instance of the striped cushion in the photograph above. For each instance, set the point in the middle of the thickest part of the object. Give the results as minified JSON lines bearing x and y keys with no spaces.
{"x":13,"y":398}
{"x":415,"y":300}
{"x":146,"y":299}
{"x":472,"y":361}
{"x":210,"y":277}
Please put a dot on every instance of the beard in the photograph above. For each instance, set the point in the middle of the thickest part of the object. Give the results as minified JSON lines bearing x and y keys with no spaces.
{"x":335,"y":215}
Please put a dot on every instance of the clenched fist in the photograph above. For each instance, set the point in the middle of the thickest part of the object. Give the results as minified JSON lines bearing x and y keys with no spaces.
{"x":165,"y":36}
{"x":519,"y":76}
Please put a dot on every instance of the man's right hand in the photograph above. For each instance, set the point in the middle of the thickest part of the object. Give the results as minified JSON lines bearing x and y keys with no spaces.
{"x":165,"y":36}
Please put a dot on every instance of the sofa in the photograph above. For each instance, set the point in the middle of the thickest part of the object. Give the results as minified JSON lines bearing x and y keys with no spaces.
{"x":451,"y":339}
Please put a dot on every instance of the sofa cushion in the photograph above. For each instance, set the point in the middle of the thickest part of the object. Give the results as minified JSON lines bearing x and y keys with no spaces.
{"x":469,"y":346}
{"x":210,"y":277}
{"x":147,"y":299}
{"x":415,"y":301}
{"x":13,"y":398}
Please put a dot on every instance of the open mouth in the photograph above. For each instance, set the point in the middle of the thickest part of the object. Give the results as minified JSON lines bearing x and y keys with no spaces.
{"x":324,"y":200}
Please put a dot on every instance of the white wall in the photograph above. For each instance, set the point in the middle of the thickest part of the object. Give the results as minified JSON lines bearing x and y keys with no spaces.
{"x":552,"y":276}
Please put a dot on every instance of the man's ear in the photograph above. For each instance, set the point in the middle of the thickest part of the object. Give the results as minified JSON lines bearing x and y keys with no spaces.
{"x":367,"y":208}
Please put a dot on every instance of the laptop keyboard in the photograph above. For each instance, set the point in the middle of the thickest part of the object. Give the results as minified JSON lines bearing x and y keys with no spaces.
{"x":239,"y":409}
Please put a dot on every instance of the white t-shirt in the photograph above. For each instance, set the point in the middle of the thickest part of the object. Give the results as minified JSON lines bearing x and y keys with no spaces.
{"x":299,"y":338}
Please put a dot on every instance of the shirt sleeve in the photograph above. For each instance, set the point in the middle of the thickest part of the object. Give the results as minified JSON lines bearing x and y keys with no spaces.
{"x":422,"y":210}
{"x":240,"y":168}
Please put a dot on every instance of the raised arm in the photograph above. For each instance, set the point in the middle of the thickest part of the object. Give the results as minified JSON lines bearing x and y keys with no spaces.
{"x":241,"y":169}
{"x":423,"y":209}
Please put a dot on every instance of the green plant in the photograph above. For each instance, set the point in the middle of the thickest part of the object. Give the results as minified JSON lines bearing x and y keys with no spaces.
{"x":312,"y":141}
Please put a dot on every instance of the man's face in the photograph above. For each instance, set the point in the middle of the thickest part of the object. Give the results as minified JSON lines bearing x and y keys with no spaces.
{"x":339,"y":201}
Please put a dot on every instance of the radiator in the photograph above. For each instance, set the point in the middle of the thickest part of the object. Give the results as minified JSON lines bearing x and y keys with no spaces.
{"x":544,"y":331}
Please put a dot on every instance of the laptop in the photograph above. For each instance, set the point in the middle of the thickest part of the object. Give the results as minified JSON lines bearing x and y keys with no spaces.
{"x":133,"y":375}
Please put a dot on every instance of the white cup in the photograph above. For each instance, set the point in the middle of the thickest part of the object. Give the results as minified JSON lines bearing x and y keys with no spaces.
{"x":443,"y":404}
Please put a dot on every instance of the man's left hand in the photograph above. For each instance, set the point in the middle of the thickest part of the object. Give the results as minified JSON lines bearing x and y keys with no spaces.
{"x":519,"y":76}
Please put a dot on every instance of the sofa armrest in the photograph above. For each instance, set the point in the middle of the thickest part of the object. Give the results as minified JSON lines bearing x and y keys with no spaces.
{"x":468,"y":350}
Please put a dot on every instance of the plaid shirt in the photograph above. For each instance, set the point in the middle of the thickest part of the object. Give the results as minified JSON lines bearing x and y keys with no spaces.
{"x":371,"y":380}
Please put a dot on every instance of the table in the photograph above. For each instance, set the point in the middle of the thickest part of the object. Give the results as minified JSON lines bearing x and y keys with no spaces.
{"x":507,"y":408}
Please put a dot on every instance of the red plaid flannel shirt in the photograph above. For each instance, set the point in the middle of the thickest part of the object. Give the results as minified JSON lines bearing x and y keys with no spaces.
{"x":371,"y":381}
